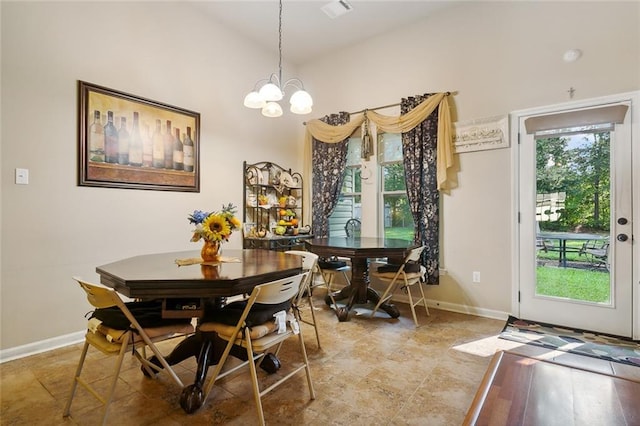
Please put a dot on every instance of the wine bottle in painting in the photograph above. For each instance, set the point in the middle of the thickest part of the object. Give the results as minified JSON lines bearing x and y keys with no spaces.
{"x":110,"y":140}
{"x":123,"y":142}
{"x":158,"y":146}
{"x":147,"y":147}
{"x":96,"y":139}
{"x":188,"y":151}
{"x":135,"y":144}
{"x":168,"y":146}
{"x":178,"y":153}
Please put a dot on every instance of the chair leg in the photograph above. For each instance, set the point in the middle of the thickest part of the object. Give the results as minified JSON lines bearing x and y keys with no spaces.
{"x":218,"y":369}
{"x":313,"y":317}
{"x":165,"y":365}
{"x":254,"y":379}
{"x":424,"y":299}
{"x":385,"y":296}
{"x":114,"y":382}
{"x":303,"y":352}
{"x":328,"y":282}
{"x":412,"y":305}
{"x":74,"y":385}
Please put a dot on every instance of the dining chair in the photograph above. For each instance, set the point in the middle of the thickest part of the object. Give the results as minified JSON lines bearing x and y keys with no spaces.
{"x":329,"y":268}
{"x":404,"y":276}
{"x":257,"y":339}
{"x":118,"y":341}
{"x":310,"y":265}
{"x":597,"y":252}
{"x":352,"y":227}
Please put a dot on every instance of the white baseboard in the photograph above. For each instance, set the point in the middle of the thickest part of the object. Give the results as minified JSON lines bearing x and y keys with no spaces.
{"x":41,"y":346}
{"x":454,"y":307}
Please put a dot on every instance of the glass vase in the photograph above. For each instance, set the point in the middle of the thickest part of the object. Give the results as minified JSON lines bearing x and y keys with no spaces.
{"x":210,"y":251}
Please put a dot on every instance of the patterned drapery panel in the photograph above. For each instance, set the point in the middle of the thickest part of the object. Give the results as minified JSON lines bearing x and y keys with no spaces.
{"x":328,"y":163}
{"x":419,"y":148}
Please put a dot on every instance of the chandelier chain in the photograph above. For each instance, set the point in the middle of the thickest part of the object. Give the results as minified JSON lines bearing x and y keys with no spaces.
{"x":280,"y":44}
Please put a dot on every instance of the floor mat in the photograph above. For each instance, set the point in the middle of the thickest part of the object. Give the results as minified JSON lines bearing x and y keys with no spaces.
{"x":579,"y":342}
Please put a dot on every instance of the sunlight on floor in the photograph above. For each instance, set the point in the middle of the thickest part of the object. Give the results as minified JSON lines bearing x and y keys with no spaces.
{"x":487,"y":347}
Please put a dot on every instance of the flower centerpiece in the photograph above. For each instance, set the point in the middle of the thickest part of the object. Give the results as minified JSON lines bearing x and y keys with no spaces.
{"x":214,"y":228}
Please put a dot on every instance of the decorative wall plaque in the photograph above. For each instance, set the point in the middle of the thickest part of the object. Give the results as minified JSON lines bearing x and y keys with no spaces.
{"x":481,"y":134}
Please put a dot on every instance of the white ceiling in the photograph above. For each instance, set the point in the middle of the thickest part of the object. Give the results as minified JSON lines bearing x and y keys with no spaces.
{"x":307,"y":32}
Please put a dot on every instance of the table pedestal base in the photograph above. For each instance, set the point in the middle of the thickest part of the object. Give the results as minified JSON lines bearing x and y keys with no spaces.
{"x":372,"y":296}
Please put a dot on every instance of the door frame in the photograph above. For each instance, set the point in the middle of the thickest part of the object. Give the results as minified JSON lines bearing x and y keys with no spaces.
{"x":514,"y":120}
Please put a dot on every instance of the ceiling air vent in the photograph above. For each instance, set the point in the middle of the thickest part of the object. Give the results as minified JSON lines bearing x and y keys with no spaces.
{"x":337,"y":8}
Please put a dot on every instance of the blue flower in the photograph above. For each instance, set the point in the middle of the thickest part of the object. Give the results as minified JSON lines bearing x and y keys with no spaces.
{"x":198,"y":216}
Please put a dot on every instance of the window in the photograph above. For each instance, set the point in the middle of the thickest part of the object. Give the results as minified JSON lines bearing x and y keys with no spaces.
{"x":350,"y":201}
{"x":395,"y":213}
{"x":384,"y":196}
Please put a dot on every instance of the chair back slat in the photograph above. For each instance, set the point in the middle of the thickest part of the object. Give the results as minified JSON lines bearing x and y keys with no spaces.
{"x":415,"y":254}
{"x":309,"y":259}
{"x":99,"y":297}
{"x":278,"y":291}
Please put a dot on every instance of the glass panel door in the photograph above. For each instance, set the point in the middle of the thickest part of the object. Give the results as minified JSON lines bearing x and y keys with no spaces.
{"x":575,"y":206}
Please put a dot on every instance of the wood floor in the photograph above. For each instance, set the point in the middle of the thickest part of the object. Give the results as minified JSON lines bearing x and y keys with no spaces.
{"x":520,"y":390}
{"x":369,"y":371}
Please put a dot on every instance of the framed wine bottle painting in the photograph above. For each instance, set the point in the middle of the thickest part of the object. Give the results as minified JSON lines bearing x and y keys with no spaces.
{"x":131,"y":142}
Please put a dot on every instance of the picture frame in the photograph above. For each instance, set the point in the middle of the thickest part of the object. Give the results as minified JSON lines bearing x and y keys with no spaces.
{"x":126,"y":141}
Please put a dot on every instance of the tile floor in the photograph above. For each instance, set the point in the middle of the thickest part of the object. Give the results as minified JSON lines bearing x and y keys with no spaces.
{"x":370,"y":371}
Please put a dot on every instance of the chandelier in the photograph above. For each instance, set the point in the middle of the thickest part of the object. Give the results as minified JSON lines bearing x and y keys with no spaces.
{"x":272,"y":89}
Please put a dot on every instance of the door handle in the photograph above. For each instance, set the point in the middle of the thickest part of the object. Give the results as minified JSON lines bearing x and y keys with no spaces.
{"x":622,"y":237}
{"x":622,"y":221}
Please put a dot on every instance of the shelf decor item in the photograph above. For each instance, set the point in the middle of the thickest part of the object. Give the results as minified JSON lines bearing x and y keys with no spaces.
{"x":214,"y":228}
{"x":273,"y":206}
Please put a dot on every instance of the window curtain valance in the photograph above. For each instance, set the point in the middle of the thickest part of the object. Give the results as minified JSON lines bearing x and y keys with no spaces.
{"x":392,"y":124}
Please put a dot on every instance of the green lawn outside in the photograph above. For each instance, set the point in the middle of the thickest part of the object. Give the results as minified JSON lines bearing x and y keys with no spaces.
{"x":577,"y":284}
{"x":400,"y":233}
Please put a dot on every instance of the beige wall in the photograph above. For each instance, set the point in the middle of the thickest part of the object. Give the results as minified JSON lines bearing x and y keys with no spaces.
{"x":498,"y":57}
{"x":53,"y":229}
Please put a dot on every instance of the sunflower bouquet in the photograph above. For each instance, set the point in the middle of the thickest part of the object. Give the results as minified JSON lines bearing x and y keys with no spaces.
{"x":216,"y":226}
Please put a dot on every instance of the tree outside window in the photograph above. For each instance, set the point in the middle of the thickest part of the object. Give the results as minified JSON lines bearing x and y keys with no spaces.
{"x":396,"y":215}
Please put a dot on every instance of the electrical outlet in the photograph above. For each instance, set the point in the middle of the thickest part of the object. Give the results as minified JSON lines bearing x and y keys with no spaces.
{"x":476,"y":276}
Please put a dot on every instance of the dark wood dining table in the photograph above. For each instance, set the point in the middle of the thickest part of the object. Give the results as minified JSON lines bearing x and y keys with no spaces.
{"x":360,"y":250}
{"x":158,"y":276}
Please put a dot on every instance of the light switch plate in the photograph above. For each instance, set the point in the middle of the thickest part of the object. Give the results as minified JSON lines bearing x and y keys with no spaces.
{"x":22,"y":176}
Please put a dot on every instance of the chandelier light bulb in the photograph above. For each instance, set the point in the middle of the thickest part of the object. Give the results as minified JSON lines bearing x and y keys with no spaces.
{"x":271,"y":92}
{"x":254,"y":100}
{"x":272,"y":109}
{"x":301,"y":99}
{"x":300,"y":110}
